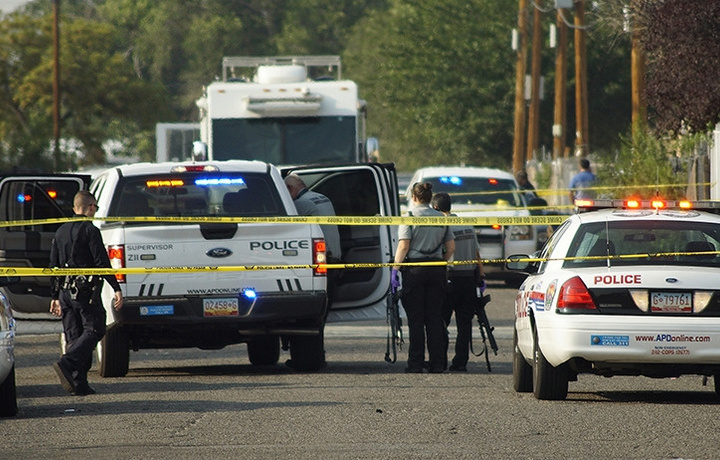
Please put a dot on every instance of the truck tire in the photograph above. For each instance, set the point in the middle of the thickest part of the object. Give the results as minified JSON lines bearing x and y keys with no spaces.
{"x":307,"y":352}
{"x":264,"y":351}
{"x":113,"y":353}
{"x":8,"y":396}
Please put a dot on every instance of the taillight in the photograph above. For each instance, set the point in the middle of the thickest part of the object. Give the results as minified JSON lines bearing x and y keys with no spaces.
{"x":574,"y":296}
{"x":117,"y":259}
{"x":319,"y":257}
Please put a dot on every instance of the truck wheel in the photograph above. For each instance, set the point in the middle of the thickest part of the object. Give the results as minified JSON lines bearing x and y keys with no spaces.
{"x":264,"y":351}
{"x":307,"y":352}
{"x":550,"y":383}
{"x":8,"y":396}
{"x":522,"y":371}
{"x":113,"y":353}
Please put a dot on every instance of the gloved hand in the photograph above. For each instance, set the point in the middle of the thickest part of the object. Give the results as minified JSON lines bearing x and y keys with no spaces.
{"x":482,"y":285}
{"x":395,"y":280}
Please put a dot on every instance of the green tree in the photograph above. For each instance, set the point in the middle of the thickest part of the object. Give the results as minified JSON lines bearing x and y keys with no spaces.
{"x":438,"y":77}
{"x":102,"y":98}
{"x":682,"y":41}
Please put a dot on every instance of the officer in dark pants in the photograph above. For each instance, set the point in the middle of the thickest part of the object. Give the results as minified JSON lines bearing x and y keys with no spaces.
{"x":423,"y":287}
{"x":77,"y":298}
{"x":462,"y":281}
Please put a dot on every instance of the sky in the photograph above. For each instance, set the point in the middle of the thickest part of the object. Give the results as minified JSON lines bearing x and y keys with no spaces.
{"x":8,"y":5}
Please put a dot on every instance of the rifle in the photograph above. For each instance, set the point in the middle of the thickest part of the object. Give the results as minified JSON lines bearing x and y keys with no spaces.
{"x":486,"y":330}
{"x":395,"y":335}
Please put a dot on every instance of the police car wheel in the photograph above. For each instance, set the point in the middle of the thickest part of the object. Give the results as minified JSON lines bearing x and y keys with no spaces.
{"x":113,"y":353}
{"x":522,"y":371}
{"x":264,"y":351}
{"x":549,"y":382}
{"x":8,"y":396}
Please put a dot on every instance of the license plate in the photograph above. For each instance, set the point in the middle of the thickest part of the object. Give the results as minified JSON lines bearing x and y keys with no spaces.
{"x":221,"y":307}
{"x":671,"y":302}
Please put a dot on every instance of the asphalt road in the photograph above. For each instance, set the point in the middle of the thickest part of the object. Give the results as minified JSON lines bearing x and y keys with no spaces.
{"x":177,"y":404}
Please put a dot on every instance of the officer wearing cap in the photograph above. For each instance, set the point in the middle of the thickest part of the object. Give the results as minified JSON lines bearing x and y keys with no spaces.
{"x":77,"y":298}
{"x":423,"y":287}
{"x":462,"y":280}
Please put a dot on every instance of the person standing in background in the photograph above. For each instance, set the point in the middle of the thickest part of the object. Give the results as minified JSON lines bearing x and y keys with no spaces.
{"x":423,"y":287}
{"x":581,"y":181}
{"x":462,"y":283}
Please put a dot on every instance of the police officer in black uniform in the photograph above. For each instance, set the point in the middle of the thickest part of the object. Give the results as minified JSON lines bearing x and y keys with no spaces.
{"x":77,"y":298}
{"x":463,"y":281}
{"x":423,"y":287}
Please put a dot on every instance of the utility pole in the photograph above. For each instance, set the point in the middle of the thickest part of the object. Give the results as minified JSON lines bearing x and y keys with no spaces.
{"x":533,"y":141}
{"x":560,"y":114}
{"x":581,"y":89}
{"x":56,"y":83}
{"x":637,"y":75}
{"x":519,"y":132}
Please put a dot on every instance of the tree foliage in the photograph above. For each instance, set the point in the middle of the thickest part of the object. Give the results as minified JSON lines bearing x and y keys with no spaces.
{"x":682,"y":41}
{"x":439,"y":80}
{"x":438,"y":75}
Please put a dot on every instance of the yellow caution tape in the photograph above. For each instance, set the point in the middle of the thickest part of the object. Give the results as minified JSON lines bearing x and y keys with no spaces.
{"x":27,"y":271}
{"x":322,"y":220}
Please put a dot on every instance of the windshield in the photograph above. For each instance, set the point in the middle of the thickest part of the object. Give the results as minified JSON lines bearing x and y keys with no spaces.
{"x":478,"y":190}
{"x":652,"y":242}
{"x":286,"y":141}
{"x":197,"y":195}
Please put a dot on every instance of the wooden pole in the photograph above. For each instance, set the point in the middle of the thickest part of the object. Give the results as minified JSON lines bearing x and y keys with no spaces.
{"x":534,"y":112}
{"x":581,"y":90}
{"x":56,"y":83}
{"x":519,"y":122}
{"x":637,"y":75}
{"x":560,"y":114}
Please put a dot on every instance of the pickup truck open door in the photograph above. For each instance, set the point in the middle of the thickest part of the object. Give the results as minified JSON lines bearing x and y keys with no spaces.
{"x":359,"y":190}
{"x":33,"y":197}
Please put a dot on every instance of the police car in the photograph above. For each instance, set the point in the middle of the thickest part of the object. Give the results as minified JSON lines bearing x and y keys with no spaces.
{"x":485,"y":192}
{"x":8,"y":398}
{"x":630,"y":288}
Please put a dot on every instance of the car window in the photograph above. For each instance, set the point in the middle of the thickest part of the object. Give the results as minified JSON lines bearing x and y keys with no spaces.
{"x":478,"y":190}
{"x":37,"y":199}
{"x":645,"y":242}
{"x":547,"y":250}
{"x":198,"y":195}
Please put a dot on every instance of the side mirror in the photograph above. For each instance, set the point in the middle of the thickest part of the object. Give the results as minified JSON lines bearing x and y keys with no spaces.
{"x":372,"y":149}
{"x":521,"y":263}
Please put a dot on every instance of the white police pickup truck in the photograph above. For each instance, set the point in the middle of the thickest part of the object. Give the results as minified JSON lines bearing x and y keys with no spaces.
{"x":211,"y":309}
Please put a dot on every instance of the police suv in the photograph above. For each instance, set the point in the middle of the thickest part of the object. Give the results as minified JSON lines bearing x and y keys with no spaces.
{"x":160,"y":215}
{"x":630,"y":288}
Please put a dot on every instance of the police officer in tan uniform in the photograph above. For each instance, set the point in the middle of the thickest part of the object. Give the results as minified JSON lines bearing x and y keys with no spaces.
{"x":423,"y":287}
{"x":462,"y":283}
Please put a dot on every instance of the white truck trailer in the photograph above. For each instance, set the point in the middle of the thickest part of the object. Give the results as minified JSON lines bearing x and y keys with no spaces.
{"x":287,"y":110}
